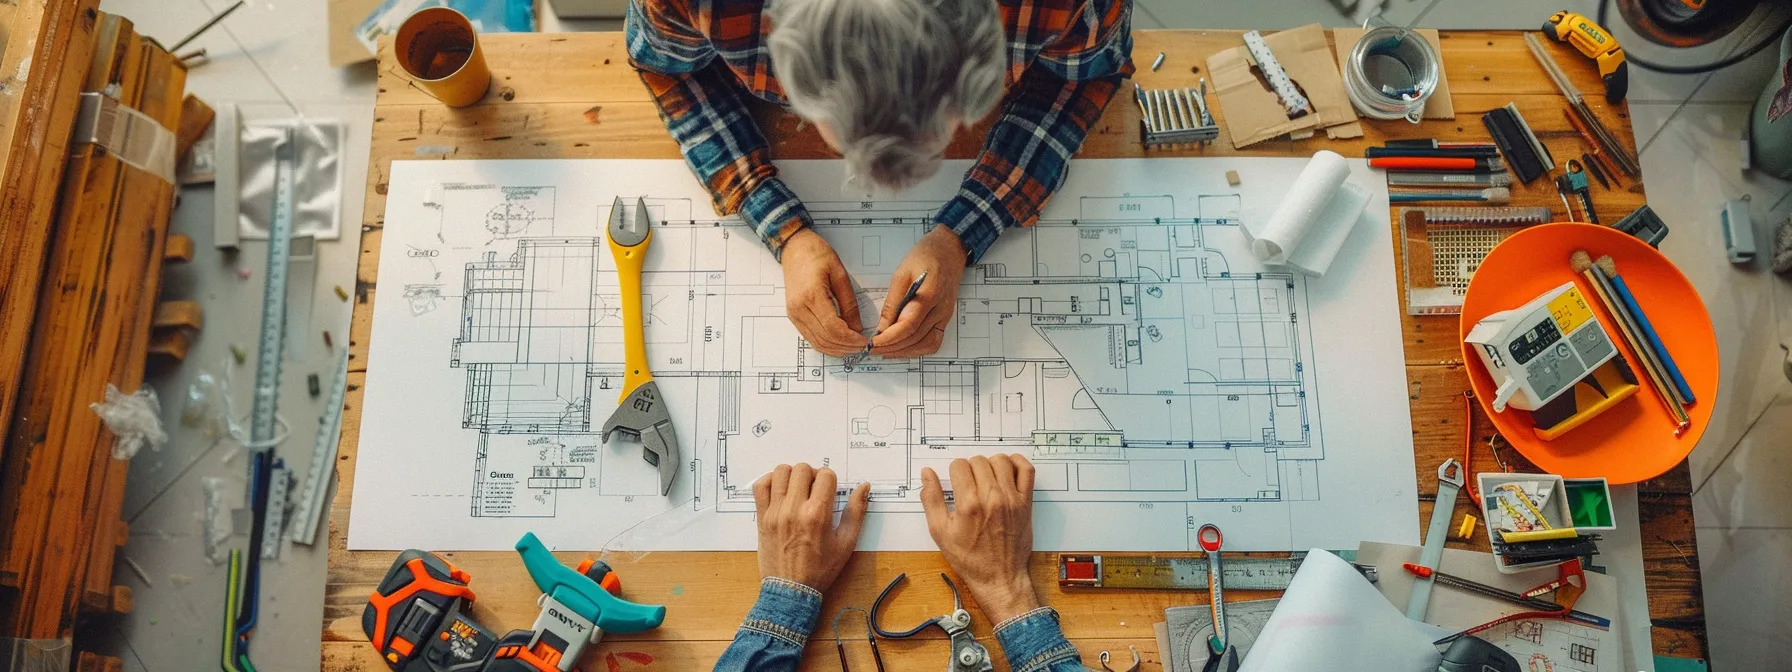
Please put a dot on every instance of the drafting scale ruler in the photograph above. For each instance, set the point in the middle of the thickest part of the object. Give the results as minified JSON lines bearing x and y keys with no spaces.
{"x":303,"y":526}
{"x":1292,"y":100}
{"x":263,"y":420}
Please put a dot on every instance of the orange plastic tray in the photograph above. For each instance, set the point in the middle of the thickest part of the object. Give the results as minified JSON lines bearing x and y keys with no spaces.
{"x":1634,"y":440}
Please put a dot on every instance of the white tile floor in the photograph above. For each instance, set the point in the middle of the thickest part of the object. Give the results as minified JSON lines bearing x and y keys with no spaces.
{"x":1743,"y":510}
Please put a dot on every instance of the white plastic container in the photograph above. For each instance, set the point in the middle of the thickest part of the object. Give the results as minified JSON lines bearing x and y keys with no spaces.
{"x":1554,"y":509}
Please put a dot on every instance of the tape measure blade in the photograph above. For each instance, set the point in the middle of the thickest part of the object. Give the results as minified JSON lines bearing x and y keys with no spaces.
{"x":1151,"y":572}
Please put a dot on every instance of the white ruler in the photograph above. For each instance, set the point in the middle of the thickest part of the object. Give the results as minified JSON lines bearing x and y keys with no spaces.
{"x":270,"y":350}
{"x":1292,"y":100}
{"x":306,"y":514}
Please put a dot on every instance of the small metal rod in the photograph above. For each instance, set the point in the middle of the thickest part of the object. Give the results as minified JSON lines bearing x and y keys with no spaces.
{"x":207,"y":25}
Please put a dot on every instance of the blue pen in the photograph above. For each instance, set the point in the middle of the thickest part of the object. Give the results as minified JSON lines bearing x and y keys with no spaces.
{"x":1610,"y":268}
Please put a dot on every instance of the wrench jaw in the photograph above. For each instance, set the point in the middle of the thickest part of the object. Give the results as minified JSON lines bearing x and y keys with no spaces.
{"x":642,"y":416}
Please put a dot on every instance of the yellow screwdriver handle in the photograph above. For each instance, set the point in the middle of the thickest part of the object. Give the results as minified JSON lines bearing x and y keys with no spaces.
{"x":629,"y":260}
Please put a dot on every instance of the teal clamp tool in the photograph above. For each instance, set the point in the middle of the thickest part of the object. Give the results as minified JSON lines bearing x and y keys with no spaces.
{"x":582,"y":596}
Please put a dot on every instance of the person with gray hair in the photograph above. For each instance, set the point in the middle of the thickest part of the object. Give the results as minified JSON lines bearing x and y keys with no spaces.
{"x":888,"y":84}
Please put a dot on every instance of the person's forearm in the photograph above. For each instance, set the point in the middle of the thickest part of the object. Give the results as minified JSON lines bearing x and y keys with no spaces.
{"x":722,"y":144}
{"x":1033,"y":642}
{"x":1025,"y":157}
{"x":771,"y":638}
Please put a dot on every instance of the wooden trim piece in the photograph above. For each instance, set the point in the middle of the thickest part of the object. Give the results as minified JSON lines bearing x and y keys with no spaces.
{"x":195,"y":117}
{"x":62,"y":490}
{"x":179,"y":315}
{"x":57,"y":37}
{"x":179,"y":249}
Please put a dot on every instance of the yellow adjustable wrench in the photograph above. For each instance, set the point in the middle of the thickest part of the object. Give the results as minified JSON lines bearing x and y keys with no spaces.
{"x":641,"y":412}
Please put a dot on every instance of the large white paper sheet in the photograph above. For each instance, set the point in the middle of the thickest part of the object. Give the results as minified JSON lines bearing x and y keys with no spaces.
{"x":1157,"y":374}
{"x":1331,"y":618}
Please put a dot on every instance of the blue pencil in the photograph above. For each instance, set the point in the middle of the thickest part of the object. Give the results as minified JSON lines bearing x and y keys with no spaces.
{"x":1610,"y":268}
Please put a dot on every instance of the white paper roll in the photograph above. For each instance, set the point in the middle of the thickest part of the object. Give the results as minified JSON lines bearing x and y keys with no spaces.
{"x":1306,"y":201}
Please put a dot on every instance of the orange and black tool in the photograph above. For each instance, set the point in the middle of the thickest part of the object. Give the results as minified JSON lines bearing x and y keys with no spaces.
{"x":1595,"y":43}
{"x":419,"y":619}
{"x":423,"y":600}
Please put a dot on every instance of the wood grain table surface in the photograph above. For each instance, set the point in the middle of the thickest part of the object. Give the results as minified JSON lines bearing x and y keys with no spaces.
{"x":565,"y":96}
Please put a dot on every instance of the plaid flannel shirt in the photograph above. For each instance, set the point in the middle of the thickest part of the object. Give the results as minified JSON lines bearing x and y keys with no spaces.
{"x":1065,"y":61}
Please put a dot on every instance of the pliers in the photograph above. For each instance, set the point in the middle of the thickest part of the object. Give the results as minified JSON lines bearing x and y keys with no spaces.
{"x":967,"y":654}
{"x":1136,"y":660}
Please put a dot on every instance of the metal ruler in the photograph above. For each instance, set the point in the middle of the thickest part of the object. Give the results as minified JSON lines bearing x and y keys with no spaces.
{"x":303,"y":527}
{"x":1165,"y":572}
{"x":279,"y":490}
{"x":1292,"y":100}
{"x":263,"y":422}
{"x":270,"y":345}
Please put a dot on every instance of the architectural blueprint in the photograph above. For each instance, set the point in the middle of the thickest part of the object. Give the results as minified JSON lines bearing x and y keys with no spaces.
{"x":1157,"y":375}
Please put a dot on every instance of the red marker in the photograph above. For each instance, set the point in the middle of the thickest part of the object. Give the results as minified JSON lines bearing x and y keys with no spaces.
{"x":1437,"y":163}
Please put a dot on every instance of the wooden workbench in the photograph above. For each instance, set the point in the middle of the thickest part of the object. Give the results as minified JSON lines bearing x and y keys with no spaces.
{"x":563,"y":96}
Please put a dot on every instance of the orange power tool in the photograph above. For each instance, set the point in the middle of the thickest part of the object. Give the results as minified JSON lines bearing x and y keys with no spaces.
{"x":420,"y":616}
{"x":1595,"y":43}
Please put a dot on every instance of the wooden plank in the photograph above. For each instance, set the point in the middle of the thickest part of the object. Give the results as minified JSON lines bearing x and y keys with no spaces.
{"x":57,"y":38}
{"x":593,"y":68}
{"x":146,"y":205}
{"x":179,"y":315}
{"x":38,"y":468}
{"x":918,"y":653}
{"x":195,"y":117}
{"x":83,"y":438}
{"x":633,"y":130}
{"x":178,"y":250}
{"x":170,"y":344}
{"x":98,"y":264}
{"x":556,"y":97}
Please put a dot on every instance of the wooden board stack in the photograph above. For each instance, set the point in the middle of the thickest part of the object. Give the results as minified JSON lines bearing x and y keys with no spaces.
{"x":76,"y":308}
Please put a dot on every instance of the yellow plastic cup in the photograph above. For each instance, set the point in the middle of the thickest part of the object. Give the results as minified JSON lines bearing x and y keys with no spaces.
{"x":439,"y":50}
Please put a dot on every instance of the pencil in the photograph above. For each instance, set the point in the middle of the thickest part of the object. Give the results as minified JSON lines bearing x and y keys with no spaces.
{"x":1583,"y":264}
{"x":1610,"y":268}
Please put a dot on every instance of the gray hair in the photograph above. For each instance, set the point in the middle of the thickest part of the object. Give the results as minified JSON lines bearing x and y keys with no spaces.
{"x":889,"y":77}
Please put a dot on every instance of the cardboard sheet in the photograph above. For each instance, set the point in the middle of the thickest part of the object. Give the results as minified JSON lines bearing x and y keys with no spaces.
{"x":345,"y":48}
{"x":1331,"y":618}
{"x":1253,"y":112}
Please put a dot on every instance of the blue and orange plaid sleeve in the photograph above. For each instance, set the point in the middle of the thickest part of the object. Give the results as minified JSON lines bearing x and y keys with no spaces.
{"x":1045,"y":118}
{"x":704,"y":112}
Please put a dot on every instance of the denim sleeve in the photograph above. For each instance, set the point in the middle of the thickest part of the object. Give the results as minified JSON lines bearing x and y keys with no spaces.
{"x":772,"y":637}
{"x":1032,"y":642}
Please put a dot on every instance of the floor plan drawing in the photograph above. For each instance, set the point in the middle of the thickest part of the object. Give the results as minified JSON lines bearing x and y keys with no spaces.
{"x":1157,"y":375}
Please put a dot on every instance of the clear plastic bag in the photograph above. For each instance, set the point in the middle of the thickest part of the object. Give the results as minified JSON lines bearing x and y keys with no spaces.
{"x":204,"y":409}
{"x":135,"y":420}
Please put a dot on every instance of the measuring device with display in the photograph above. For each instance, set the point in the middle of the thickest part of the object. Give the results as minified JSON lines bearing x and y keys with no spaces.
{"x":1171,"y":572}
